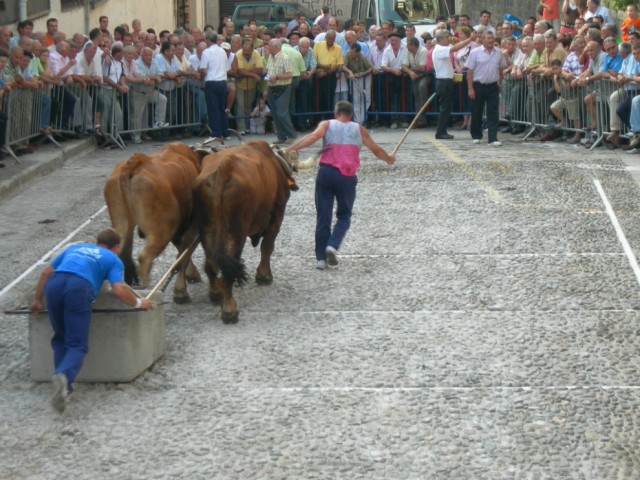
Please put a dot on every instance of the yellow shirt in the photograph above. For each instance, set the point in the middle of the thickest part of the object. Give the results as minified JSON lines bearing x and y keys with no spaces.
{"x":328,"y":56}
{"x":248,"y":83}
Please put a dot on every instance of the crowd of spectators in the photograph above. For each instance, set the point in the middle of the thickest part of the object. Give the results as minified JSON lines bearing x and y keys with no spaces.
{"x":148,"y":81}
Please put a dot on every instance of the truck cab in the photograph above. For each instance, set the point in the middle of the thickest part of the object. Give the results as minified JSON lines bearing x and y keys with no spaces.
{"x":421,"y":13}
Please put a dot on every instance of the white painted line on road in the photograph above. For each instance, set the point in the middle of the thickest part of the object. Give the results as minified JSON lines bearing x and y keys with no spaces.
{"x":46,"y":255}
{"x":616,"y":225}
{"x":526,"y":388}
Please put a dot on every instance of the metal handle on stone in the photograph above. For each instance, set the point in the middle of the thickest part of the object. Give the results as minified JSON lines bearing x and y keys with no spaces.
{"x":188,"y":251}
{"x":424,"y":107}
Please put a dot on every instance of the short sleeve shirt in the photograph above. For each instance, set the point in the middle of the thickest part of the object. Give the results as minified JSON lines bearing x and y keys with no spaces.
{"x":91,"y":262}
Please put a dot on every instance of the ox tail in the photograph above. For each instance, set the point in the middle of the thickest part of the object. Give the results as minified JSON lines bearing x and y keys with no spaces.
{"x":224,"y":239}
{"x":233,"y":270}
{"x":126,"y":248}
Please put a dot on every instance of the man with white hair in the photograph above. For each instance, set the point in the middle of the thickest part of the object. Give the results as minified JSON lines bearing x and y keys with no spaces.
{"x":304,"y":86}
{"x":144,"y":94}
{"x":279,"y":91}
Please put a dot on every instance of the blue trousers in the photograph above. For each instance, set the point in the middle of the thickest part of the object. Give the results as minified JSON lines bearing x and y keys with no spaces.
{"x":215,"y":94}
{"x":330,"y":185}
{"x":69,"y":300}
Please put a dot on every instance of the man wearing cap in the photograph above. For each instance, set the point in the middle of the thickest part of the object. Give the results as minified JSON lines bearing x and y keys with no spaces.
{"x":392,"y":61}
{"x":294,"y":38}
{"x":232,"y":73}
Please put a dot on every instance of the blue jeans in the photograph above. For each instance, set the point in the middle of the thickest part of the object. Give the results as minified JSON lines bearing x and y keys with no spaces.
{"x":69,"y":300}
{"x":45,"y":118}
{"x":330,"y":185}
{"x":215,"y":94}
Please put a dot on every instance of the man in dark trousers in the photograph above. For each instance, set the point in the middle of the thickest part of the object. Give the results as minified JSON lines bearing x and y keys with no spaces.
{"x":71,"y":282}
{"x":484,"y":77}
{"x":444,"y":77}
{"x":336,"y":180}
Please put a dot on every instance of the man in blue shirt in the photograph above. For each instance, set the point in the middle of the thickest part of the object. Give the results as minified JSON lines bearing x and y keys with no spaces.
{"x":71,"y":283}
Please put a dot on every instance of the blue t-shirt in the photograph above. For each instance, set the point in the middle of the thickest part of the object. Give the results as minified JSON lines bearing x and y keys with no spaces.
{"x":91,"y":262}
{"x":612,"y":63}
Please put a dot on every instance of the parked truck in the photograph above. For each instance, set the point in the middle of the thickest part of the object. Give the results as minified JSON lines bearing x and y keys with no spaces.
{"x":421,"y":13}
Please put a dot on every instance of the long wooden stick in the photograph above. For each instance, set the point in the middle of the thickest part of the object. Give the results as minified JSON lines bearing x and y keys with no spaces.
{"x":416,"y":118}
{"x":187,"y":252}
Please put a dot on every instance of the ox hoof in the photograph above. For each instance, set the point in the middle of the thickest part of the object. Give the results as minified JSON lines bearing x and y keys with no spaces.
{"x":181,"y":298}
{"x":261,"y":280}
{"x":229,"y":318}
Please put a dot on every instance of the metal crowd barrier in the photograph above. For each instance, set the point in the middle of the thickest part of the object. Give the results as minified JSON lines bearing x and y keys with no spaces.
{"x":143,"y":110}
{"x":27,"y":111}
{"x":374,"y":97}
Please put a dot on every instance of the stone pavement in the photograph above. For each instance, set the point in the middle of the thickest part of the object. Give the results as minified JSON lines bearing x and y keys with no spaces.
{"x":482,"y":324}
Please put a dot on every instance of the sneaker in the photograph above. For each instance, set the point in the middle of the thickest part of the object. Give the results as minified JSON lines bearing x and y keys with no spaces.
{"x":332,"y":256}
{"x":476,"y":141}
{"x":404,"y":125}
{"x":280,"y":141}
{"x":161,"y":124}
{"x":632,"y":151}
{"x":496,"y":144}
{"x":321,"y":265}
{"x":60,"y":392}
{"x":393,"y":126}
{"x":136,"y":141}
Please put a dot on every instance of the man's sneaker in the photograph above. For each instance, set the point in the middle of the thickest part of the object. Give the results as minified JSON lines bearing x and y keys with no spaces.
{"x":161,"y":124}
{"x":332,"y":256}
{"x":280,"y":141}
{"x":496,"y":143}
{"x":60,"y":392}
{"x":393,"y":126}
{"x":404,"y":125}
{"x":477,"y":141}
{"x":321,"y":264}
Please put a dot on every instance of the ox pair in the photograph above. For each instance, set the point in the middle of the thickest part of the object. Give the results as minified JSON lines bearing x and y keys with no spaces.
{"x":224,"y":197}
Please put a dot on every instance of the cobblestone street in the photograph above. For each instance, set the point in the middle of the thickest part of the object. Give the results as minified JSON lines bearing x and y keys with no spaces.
{"x":483,"y":323}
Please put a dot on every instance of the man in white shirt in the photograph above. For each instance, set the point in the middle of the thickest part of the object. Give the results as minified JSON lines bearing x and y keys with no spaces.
{"x":89,"y":74}
{"x":443,"y":66}
{"x":415,"y":66}
{"x":213,"y":68}
{"x":392,"y":60}
{"x":113,"y":88}
{"x":62,"y":67}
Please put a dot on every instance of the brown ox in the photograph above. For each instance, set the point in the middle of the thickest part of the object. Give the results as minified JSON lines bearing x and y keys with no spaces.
{"x":154,"y":192}
{"x":241,"y":192}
